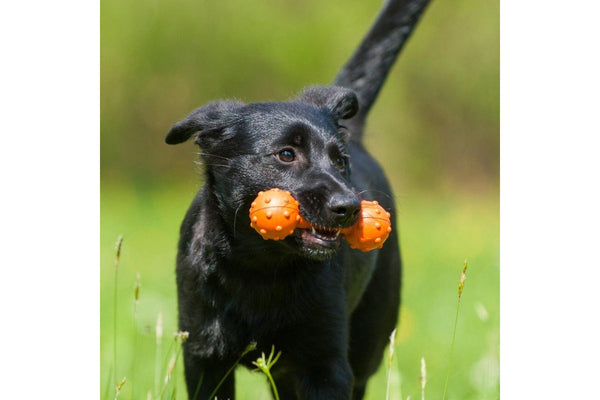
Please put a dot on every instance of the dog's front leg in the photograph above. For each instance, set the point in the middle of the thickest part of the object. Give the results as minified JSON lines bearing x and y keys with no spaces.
{"x":203,"y":377}
{"x":326,"y":380}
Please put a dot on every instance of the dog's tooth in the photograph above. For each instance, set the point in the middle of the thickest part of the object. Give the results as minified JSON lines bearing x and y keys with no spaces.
{"x":314,"y":232}
{"x":337,"y":233}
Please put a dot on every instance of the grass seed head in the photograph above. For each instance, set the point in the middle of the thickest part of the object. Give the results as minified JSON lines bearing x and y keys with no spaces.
{"x":463,"y":277}
{"x":251,"y":347}
{"x":182,"y":336}
{"x":120,"y":386}
{"x":118,"y":245}
{"x":391,"y":350}
{"x":136,"y":292}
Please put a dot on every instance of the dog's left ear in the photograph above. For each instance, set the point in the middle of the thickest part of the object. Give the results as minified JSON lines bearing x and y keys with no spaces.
{"x":340,"y":102}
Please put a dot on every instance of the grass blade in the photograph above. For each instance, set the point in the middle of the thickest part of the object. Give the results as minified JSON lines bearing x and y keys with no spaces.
{"x":115,"y":283}
{"x":423,"y":377}
{"x":157,"y":354}
{"x":119,"y":386}
{"x":389,"y":365}
{"x":461,"y":285}
{"x":136,"y":297}
{"x":249,"y":348}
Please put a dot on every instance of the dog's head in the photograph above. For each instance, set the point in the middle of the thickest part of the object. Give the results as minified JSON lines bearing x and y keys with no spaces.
{"x":298,"y":146}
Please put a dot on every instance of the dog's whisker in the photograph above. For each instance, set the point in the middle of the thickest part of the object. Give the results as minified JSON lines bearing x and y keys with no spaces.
{"x":210,"y":164}
{"x":389,"y":196}
{"x":214,"y":155}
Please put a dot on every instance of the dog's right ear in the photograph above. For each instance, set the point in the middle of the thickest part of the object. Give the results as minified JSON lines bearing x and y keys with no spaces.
{"x":209,"y":123}
{"x":340,"y":102}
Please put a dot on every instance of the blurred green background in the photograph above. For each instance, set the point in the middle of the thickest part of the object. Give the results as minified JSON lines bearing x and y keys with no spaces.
{"x":435,"y":130}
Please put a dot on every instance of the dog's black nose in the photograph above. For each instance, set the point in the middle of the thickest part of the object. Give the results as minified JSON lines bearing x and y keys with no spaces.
{"x":344,"y":208}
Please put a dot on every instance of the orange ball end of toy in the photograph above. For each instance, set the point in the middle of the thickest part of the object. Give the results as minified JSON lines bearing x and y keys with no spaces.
{"x":274,"y":214}
{"x":372,"y":228}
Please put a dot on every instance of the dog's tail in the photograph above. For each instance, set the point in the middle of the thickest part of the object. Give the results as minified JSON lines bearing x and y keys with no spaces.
{"x":366,"y":71}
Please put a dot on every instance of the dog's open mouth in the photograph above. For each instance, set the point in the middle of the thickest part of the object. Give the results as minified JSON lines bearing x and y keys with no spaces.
{"x":320,"y":237}
{"x":318,"y":243}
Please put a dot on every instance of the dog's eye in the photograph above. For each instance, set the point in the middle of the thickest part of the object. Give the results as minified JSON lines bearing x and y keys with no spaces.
{"x":286,"y":155}
{"x":340,"y":162}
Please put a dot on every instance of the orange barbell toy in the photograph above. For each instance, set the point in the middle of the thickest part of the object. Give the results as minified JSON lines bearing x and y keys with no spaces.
{"x":371,"y":229}
{"x":275,"y":214}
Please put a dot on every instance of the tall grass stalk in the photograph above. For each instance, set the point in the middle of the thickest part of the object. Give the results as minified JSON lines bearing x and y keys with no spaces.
{"x":461,"y":285}
{"x":136,"y":298}
{"x":389,"y":364}
{"x":117,"y":259}
{"x":423,"y":377}
{"x":170,"y":368}
{"x":248,"y":349}
{"x":180,"y":338}
{"x":119,"y":386}
{"x":157,"y":354}
{"x":197,"y":391}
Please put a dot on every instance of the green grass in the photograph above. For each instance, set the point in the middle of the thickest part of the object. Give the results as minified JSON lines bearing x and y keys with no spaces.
{"x":438,"y":232}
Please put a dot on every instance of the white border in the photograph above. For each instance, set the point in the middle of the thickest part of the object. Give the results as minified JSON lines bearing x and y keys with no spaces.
{"x":550,"y":200}
{"x":49,"y":287}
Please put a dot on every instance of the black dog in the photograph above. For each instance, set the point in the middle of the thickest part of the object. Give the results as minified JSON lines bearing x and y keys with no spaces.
{"x":327,"y":308}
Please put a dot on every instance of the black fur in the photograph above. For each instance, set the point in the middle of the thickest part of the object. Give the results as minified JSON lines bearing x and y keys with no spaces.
{"x":327,"y":308}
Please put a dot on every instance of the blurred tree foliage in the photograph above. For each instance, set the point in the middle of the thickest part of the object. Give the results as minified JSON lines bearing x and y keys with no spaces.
{"x":435,"y":125}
